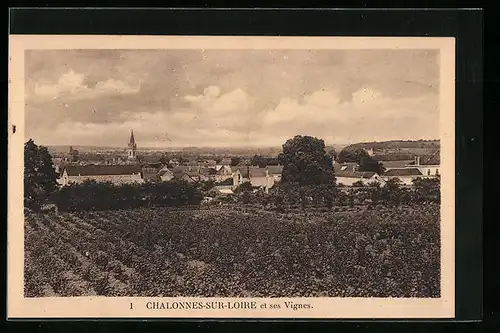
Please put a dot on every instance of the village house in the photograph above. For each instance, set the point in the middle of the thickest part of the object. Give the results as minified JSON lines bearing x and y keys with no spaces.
{"x":210,"y":163}
{"x":275,"y":171}
{"x":207,"y":174}
{"x":116,"y":174}
{"x":388,"y":165}
{"x":185,"y":177}
{"x":428,"y":166}
{"x":223,"y":173}
{"x":58,"y":163}
{"x":347,"y":174}
{"x":222,"y":163}
{"x":150,"y":174}
{"x":264,"y":178}
{"x":405,"y":175}
{"x":165,"y":174}
{"x":197,"y":173}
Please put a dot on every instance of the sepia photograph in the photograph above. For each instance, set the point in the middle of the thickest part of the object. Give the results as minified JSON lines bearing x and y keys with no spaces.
{"x":268,"y":169}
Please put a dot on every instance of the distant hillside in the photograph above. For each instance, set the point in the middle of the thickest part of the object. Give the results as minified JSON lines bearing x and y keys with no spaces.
{"x":398,"y":144}
{"x":399,"y":150}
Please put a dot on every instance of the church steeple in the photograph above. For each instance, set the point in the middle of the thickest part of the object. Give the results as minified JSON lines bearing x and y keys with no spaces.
{"x":132,"y":147}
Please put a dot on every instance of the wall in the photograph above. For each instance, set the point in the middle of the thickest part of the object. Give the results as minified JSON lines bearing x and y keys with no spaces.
{"x":115,"y":179}
{"x":238,"y":179}
{"x":258,"y":181}
{"x":425,"y":169}
{"x":167,"y":177}
{"x":348,"y":181}
{"x":405,"y":180}
{"x":221,"y":178}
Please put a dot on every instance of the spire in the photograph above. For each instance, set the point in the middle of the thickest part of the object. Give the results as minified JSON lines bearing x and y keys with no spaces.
{"x":132,"y":140}
{"x":132,"y":147}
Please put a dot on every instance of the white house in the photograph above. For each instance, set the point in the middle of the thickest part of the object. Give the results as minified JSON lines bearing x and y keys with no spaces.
{"x":347,"y":174}
{"x":429,"y":166}
{"x":264,"y":178}
{"x":222,"y":163}
{"x":348,"y":178}
{"x":223,"y":173}
{"x":116,"y":174}
{"x":275,"y":171}
{"x":165,"y":174}
{"x":405,"y":175}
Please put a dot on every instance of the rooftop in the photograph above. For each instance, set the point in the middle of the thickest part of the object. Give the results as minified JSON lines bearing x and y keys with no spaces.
{"x":102,"y":170}
{"x":354,"y":174}
{"x":403,"y":172}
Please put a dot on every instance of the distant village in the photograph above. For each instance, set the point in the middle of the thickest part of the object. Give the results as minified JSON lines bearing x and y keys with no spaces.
{"x":225,"y":175}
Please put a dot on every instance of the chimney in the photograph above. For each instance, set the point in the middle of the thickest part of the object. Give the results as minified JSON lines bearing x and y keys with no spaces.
{"x":417,"y":160}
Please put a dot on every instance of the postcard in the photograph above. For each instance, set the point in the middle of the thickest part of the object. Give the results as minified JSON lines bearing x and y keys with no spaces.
{"x":231,"y":177}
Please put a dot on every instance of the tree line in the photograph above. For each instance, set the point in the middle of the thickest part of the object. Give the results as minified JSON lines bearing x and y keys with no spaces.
{"x":91,"y":195}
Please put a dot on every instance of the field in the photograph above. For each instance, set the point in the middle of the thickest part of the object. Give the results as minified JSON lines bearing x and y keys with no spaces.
{"x":382,"y":252}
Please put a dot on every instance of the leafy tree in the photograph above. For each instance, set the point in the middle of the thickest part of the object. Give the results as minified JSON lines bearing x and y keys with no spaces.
{"x":245,"y":197}
{"x":370,"y":164}
{"x":207,"y":185}
{"x":350,"y":155}
{"x":91,"y":195}
{"x":235,"y":161}
{"x":427,"y":189}
{"x":40,"y":178}
{"x":164,"y":159}
{"x":228,"y":181}
{"x":140,"y":159}
{"x":272,"y":161}
{"x":244,"y":187}
{"x":75,"y":157}
{"x":259,"y":160}
{"x":360,"y":156}
{"x":392,"y":191}
{"x":332,"y":153}
{"x":305,"y":162}
{"x":358,"y":183}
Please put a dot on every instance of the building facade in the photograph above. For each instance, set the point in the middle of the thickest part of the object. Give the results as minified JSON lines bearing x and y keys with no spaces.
{"x":264,"y":178}
{"x":116,"y":174}
{"x":405,"y":175}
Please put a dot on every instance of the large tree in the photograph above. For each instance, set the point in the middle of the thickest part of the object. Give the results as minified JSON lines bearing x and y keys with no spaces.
{"x":39,"y":175}
{"x":259,"y":160}
{"x":305,"y":162}
{"x":235,"y":161}
{"x":350,"y":155}
{"x":370,"y":164}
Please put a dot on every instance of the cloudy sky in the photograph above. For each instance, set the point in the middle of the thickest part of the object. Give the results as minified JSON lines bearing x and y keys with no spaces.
{"x":229,"y":98}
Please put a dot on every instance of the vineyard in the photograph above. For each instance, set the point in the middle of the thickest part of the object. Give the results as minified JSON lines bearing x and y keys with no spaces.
{"x":383,"y":252}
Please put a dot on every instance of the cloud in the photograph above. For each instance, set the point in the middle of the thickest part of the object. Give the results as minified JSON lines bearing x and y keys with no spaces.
{"x":368,"y":115}
{"x":212,"y":102}
{"x":225,"y":119}
{"x":72,"y":83}
{"x":236,"y":97}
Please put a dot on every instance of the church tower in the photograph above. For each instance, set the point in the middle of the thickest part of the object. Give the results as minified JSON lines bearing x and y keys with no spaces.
{"x":132,"y":147}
